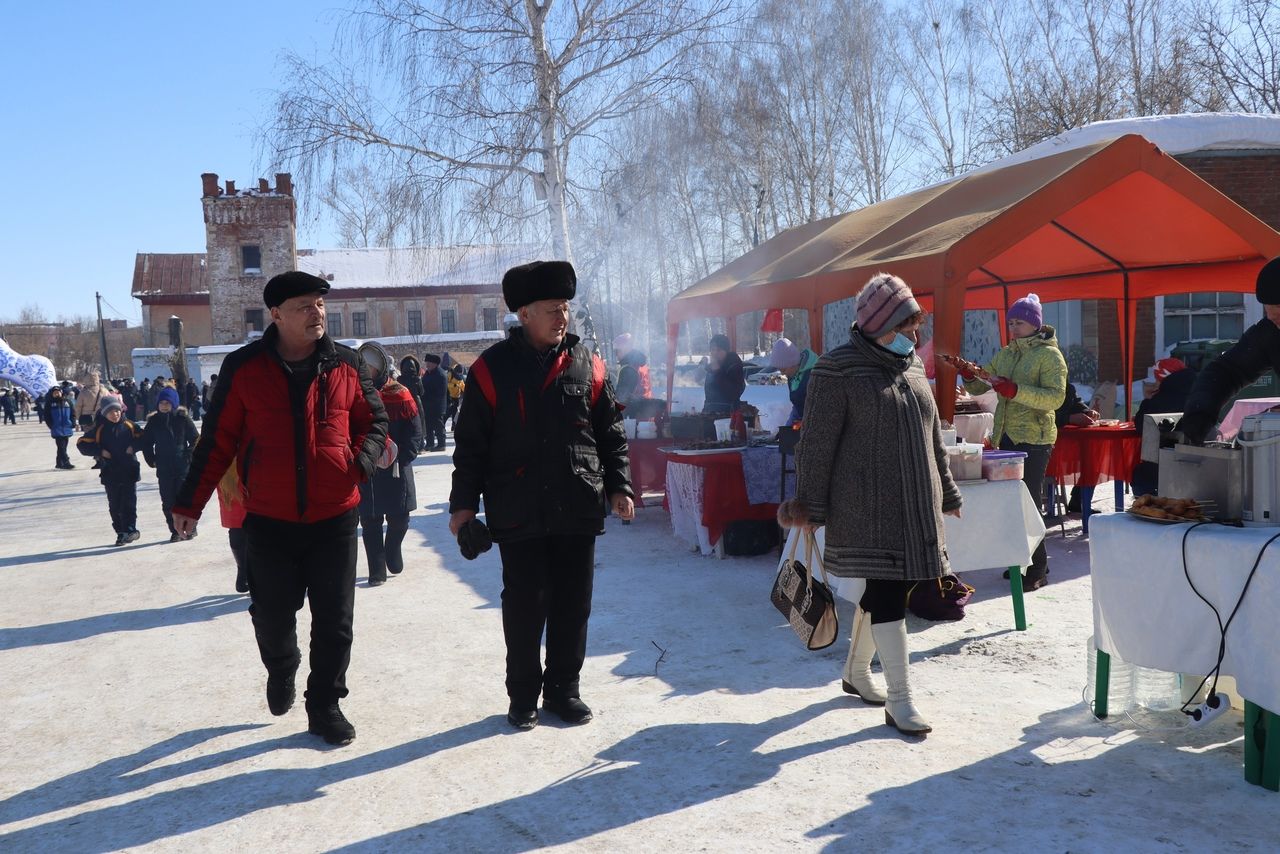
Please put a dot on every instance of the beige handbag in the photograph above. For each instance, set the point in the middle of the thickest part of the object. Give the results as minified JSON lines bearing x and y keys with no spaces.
{"x":806,"y":603}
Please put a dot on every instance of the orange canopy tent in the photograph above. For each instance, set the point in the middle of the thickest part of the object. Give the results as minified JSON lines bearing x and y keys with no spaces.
{"x":1117,"y":220}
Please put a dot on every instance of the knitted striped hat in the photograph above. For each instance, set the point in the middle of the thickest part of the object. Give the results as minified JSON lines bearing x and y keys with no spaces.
{"x":883,"y":304}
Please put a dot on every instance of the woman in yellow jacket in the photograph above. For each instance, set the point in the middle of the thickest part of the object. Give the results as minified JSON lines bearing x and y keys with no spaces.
{"x":1030,"y":376}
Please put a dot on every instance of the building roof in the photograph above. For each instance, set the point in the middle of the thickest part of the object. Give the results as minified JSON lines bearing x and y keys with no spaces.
{"x":414,"y":266}
{"x":169,"y":274}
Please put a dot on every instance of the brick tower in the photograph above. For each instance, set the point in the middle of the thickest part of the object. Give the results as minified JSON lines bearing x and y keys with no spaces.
{"x":250,"y":235}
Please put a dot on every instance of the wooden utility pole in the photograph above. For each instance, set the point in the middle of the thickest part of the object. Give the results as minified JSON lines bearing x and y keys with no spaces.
{"x":102,"y":339}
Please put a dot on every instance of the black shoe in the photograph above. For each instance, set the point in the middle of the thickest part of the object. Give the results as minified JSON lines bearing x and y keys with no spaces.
{"x":571,"y":710}
{"x":281,"y":693}
{"x":121,"y":539}
{"x":521,"y":717}
{"x":242,"y":583}
{"x":175,"y":537}
{"x":132,"y":535}
{"x":377,"y":582}
{"x":330,"y":723}
{"x":1034,"y":582}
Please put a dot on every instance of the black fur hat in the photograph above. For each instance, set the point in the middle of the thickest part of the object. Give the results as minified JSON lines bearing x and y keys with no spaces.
{"x":1268,"y":287}
{"x":538,"y":280}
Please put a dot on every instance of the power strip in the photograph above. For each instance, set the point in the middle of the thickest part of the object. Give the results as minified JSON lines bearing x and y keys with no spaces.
{"x":1212,"y":708}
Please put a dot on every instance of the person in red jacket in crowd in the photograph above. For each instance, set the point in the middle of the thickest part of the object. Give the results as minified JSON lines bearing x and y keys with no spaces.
{"x":299,"y":416}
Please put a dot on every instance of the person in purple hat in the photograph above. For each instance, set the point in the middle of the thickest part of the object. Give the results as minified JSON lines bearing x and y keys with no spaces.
{"x":1030,"y":376}
{"x":795,"y":364}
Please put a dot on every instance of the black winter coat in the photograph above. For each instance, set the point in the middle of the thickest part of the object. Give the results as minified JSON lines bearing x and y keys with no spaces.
{"x":121,"y":441}
{"x":1257,"y":351}
{"x":540,"y":437}
{"x":435,"y":393}
{"x":168,"y":440}
{"x":723,"y":387}
{"x":392,"y":491}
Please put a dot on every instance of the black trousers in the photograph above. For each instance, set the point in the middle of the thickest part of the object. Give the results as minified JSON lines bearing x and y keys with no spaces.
{"x":169,"y":482}
{"x":886,"y":600}
{"x":62,"y":458}
{"x":1033,"y":476}
{"x":383,"y":553}
{"x":239,"y":551}
{"x":546,"y":584}
{"x":290,"y":562}
{"x":433,"y":429}
{"x":122,"y":500}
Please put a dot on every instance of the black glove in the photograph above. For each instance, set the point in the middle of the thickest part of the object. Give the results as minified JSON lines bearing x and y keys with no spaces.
{"x":474,"y":539}
{"x":1195,"y":426}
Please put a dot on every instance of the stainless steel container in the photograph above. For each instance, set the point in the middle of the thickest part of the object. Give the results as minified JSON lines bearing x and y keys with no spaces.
{"x":1151,"y":433}
{"x":1210,"y":473}
{"x":1259,"y":436}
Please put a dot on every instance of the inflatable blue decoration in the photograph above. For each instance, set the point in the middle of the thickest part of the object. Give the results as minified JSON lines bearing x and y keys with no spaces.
{"x":33,"y":373}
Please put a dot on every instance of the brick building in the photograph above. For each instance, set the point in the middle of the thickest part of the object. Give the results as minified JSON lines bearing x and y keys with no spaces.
{"x":426,"y":299}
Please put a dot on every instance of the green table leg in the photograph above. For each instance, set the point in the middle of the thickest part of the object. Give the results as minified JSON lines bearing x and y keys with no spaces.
{"x":1101,"y":683}
{"x":1253,"y":741}
{"x":1271,"y":751}
{"x":1019,"y":608}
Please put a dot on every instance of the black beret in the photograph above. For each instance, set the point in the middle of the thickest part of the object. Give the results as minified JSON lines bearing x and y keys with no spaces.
{"x":431,"y":357}
{"x":538,"y":280}
{"x":295,"y":283}
{"x":1268,"y":288}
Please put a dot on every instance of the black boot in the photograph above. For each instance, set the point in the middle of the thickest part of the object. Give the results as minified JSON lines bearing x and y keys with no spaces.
{"x":571,"y":710}
{"x":281,"y":692}
{"x":242,"y":582}
{"x":328,"y":722}
{"x":522,"y":717}
{"x":1034,"y":579}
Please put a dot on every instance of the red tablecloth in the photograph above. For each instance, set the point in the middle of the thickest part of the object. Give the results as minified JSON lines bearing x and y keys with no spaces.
{"x":724,"y":491}
{"x":648,"y":467}
{"x":1095,"y":453}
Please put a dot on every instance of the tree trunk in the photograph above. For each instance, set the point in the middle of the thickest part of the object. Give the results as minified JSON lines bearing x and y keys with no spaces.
{"x":548,"y":116}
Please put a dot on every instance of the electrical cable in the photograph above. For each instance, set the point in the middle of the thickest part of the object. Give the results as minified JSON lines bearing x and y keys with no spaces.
{"x":1222,"y":627}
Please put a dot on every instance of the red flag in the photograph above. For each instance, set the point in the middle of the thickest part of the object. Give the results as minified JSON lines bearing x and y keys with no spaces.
{"x":772,"y":321}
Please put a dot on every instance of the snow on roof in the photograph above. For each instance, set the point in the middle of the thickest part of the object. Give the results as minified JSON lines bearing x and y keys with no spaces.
{"x":1177,"y":134}
{"x":414,"y":266}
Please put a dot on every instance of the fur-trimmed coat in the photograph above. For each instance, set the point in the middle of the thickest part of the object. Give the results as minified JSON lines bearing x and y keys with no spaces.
{"x":871,"y":465}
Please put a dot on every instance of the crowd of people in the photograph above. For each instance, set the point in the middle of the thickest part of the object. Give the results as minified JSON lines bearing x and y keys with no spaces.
{"x":305,"y":440}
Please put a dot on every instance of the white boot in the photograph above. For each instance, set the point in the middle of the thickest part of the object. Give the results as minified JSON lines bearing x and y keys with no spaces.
{"x":899,"y":712}
{"x":857,"y":667}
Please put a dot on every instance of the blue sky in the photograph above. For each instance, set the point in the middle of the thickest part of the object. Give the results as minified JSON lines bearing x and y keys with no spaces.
{"x":109,"y":113}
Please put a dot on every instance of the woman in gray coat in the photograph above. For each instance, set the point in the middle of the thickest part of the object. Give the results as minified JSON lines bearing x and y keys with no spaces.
{"x":872,"y":469}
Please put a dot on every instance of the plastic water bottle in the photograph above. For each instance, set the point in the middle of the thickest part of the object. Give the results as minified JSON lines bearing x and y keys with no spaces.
{"x":1158,"y":690}
{"x":1120,"y":691}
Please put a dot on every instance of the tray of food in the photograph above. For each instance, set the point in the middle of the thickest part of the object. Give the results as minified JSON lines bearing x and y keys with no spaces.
{"x":1169,"y":511}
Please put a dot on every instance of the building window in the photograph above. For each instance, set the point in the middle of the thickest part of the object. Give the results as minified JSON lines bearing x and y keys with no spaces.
{"x":448,"y":320}
{"x":334,"y":324}
{"x":490,"y":319}
{"x":358,"y":326}
{"x":251,"y":260}
{"x":1202,"y":316}
{"x":415,"y":322}
{"x":253,"y":320}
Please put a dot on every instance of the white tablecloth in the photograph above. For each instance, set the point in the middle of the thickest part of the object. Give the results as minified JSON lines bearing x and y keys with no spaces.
{"x":685,"y":497}
{"x":999,"y":526}
{"x":1145,"y":612}
{"x":974,"y":428}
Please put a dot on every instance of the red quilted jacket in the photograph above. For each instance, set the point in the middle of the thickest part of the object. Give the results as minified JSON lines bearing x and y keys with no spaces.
{"x":296,"y":466}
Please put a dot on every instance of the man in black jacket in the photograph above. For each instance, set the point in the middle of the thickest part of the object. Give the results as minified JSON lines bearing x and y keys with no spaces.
{"x":435,"y":401}
{"x":540,"y":436}
{"x":1257,"y":351}
{"x":725,"y":383}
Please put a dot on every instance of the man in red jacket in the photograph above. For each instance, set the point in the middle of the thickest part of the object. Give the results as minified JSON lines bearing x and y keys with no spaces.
{"x":299,"y":417}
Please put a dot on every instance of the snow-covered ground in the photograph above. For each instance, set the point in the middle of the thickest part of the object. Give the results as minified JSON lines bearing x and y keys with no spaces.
{"x":134,"y":717}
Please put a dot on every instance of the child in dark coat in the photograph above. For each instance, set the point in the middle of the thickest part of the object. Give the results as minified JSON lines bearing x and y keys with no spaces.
{"x":167,"y":442}
{"x":391,"y":492}
{"x":114,"y":439}
{"x":61,"y":416}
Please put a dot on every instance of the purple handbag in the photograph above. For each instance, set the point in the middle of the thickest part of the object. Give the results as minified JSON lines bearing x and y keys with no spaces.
{"x":940,"y":600}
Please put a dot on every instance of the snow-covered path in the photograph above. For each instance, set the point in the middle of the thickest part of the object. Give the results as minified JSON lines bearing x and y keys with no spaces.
{"x":134,"y":717}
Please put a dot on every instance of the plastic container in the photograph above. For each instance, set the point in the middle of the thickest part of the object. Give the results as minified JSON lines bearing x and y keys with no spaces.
{"x":949,"y":436}
{"x":1132,"y":686}
{"x":723,"y":432}
{"x":965,"y":460}
{"x":1003,"y":465}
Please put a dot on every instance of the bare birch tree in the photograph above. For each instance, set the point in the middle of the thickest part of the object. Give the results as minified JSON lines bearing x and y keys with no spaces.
{"x":491,"y":95}
{"x":1240,"y":52}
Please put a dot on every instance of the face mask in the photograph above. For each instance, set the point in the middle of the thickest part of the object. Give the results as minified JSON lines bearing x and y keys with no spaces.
{"x":901,"y":345}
